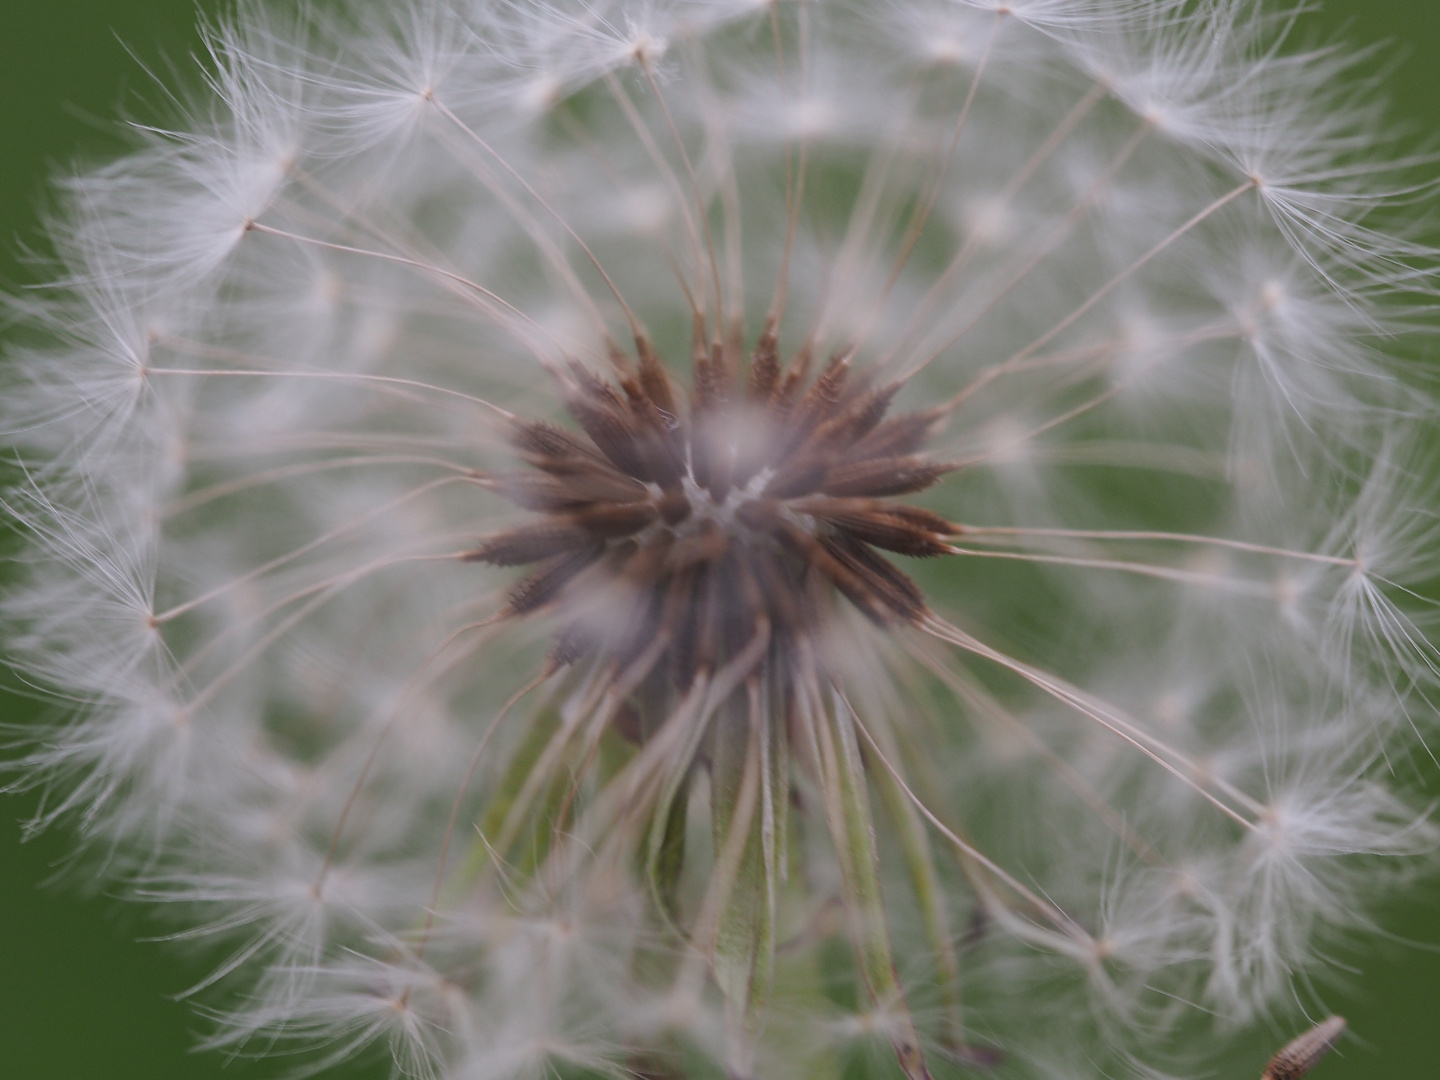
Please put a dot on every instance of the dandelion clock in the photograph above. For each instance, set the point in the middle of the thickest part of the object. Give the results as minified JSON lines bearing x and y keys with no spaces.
{"x":740,"y":538}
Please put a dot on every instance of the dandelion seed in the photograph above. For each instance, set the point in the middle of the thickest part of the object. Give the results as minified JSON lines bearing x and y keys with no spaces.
{"x":1300,"y":1055}
{"x":699,"y":537}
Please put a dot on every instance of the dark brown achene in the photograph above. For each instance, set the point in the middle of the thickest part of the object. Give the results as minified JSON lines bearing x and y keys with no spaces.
{"x":689,"y":526}
{"x":1297,"y":1057}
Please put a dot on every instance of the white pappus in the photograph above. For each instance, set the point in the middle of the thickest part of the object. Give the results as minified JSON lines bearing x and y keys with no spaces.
{"x":750,"y":538}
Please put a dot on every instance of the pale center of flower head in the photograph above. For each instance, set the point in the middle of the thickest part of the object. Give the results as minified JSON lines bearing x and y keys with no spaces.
{"x":679,"y":531}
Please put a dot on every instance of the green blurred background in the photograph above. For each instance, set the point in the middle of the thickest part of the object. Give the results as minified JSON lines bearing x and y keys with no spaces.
{"x":80,"y":996}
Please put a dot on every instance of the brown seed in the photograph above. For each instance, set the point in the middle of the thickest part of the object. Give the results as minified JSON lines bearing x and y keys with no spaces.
{"x":782,"y":402}
{"x":764,"y":366}
{"x":583,"y":483}
{"x":589,"y":385}
{"x":534,"y":491}
{"x":597,"y":476}
{"x":659,"y":436}
{"x":531,"y":543}
{"x":1302,"y":1054}
{"x":902,"y":529}
{"x":801,"y":475}
{"x":898,"y":436}
{"x":892,"y":588}
{"x":926,"y":519}
{"x":611,"y":522}
{"x":820,"y":401}
{"x":883,"y":476}
{"x":612,"y":431}
{"x":607,"y":418}
{"x":707,"y":376}
{"x":826,"y":561}
{"x":856,"y":420}
{"x":661,"y":451}
{"x":654,"y":379}
{"x":543,"y":586}
{"x":544,"y":440}
{"x":835,"y":509}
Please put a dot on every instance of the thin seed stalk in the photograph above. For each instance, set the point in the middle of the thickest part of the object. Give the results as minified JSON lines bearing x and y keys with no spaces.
{"x":730,"y":919}
{"x":852,"y":827}
{"x":929,"y":895}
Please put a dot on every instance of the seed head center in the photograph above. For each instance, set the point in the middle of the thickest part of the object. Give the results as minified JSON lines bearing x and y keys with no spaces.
{"x":690,"y":523}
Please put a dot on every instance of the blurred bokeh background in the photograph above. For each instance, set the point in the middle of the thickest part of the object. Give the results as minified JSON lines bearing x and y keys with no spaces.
{"x":81,"y":994}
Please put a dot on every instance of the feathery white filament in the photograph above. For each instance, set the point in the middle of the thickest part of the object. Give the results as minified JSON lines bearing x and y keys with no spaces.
{"x":1139,"y":262}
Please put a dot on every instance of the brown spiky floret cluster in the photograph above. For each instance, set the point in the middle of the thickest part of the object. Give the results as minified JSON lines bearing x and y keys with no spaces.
{"x":690,"y":528}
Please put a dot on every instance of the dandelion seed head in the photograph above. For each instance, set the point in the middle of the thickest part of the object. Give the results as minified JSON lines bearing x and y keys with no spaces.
{"x":662,"y":537}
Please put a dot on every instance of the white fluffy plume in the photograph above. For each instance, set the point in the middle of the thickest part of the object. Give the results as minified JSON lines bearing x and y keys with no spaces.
{"x":720,"y":787}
